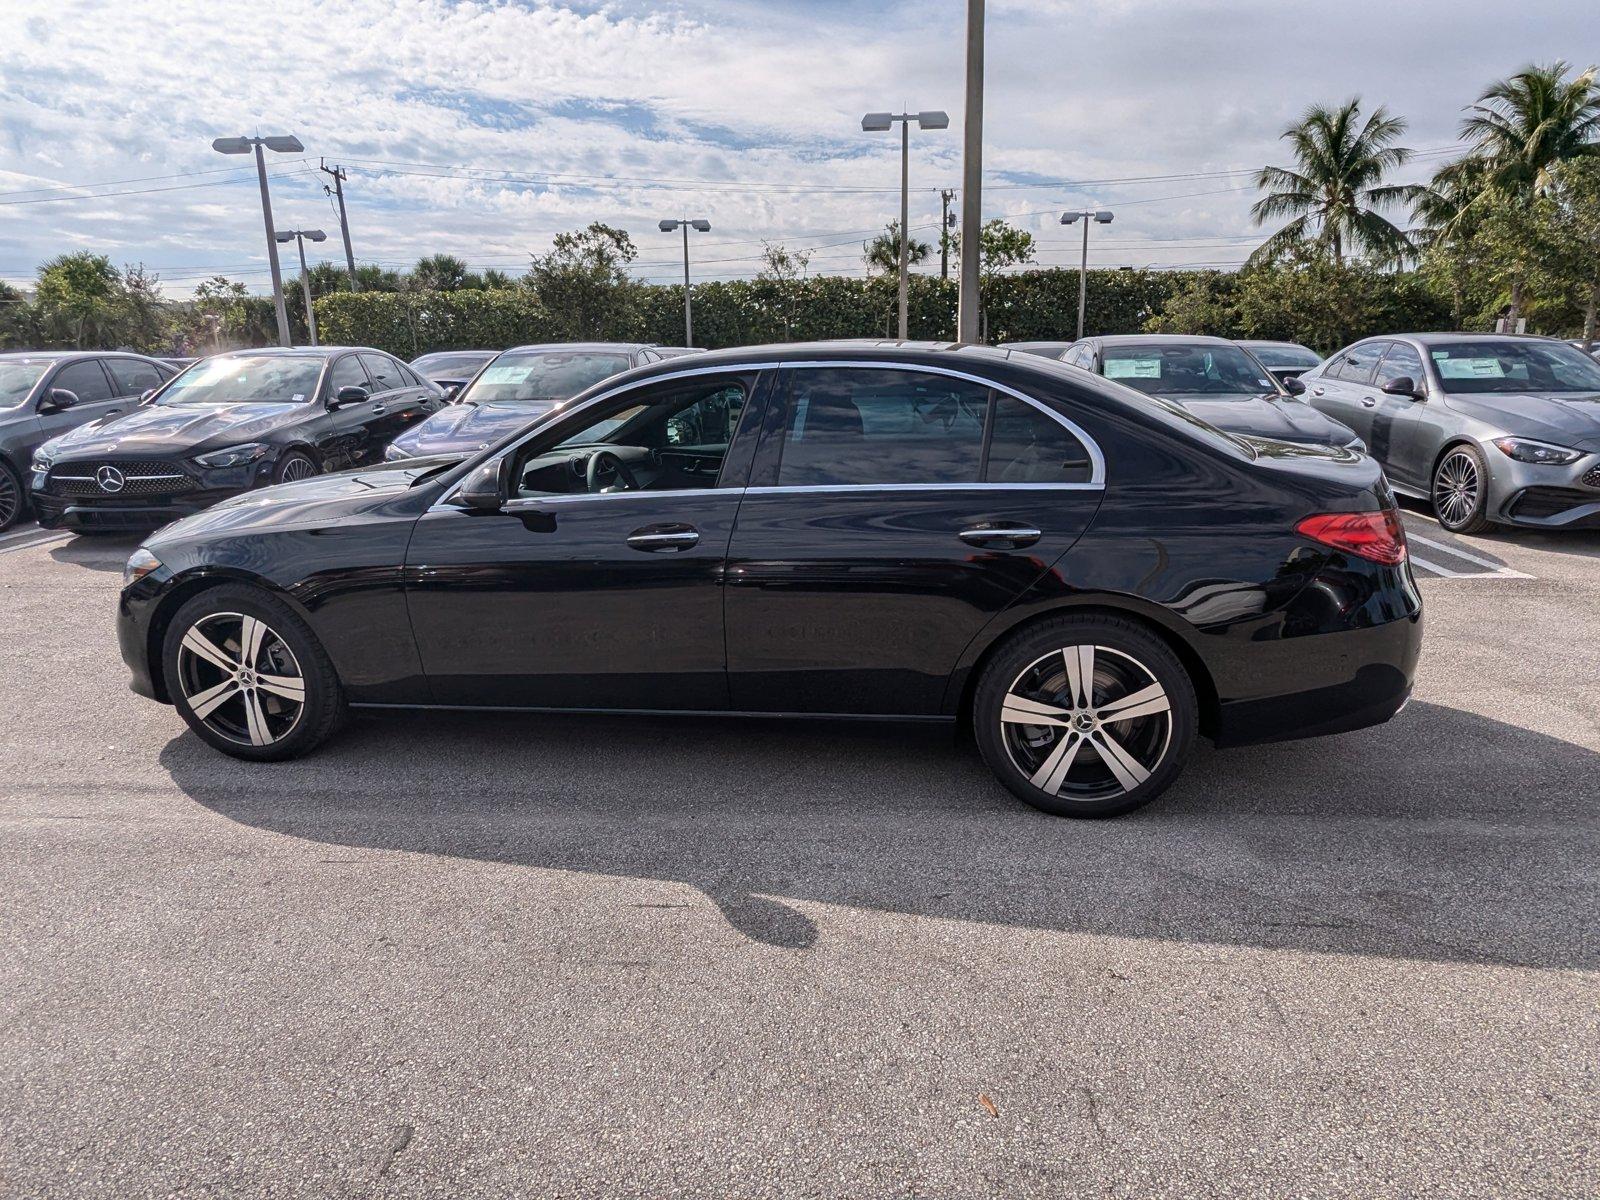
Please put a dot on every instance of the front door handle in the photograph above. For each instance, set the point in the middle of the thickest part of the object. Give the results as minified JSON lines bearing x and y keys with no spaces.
{"x":1316,"y":391}
{"x":1013,"y":536}
{"x":378,"y":410}
{"x":1368,"y":402}
{"x":656,"y":539}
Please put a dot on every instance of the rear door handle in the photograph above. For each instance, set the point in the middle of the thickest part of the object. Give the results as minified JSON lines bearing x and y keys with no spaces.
{"x":1015,"y":536}
{"x":655,"y":539}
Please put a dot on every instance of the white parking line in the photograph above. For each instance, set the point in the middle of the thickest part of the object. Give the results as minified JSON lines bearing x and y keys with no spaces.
{"x":1482,"y":562}
{"x":35,"y":538}
{"x":17,"y":535}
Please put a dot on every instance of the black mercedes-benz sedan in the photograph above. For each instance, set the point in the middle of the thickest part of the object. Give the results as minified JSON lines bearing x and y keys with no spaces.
{"x":1090,"y":577}
{"x":224,"y":426}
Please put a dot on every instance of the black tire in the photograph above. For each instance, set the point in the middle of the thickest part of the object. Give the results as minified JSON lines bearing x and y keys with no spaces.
{"x":1033,"y":673}
{"x":231,"y":726}
{"x":13,"y":500}
{"x":1451,"y":505}
{"x":295,"y":466}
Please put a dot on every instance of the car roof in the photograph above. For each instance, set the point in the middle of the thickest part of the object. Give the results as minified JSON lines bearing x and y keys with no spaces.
{"x":1162,"y":339}
{"x":1273,"y":342}
{"x":1444,"y":339}
{"x":300,"y":351}
{"x":63,"y":355}
{"x":569,"y":346}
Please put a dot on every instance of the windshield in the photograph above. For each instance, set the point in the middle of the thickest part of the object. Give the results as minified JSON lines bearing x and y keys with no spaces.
{"x":1178,"y":370}
{"x":449,"y":366}
{"x":1494,"y":366}
{"x":17,"y":378}
{"x":547,"y":375}
{"x":247,"y":379}
{"x":1286,"y":356}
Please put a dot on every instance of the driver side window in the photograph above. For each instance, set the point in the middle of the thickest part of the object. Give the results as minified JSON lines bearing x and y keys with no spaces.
{"x":658,"y":437}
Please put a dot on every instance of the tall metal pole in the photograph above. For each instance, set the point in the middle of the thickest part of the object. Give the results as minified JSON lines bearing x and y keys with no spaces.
{"x":688,"y":308}
{"x":1083,"y":272}
{"x":972,"y":179}
{"x":905,"y":225}
{"x":339,"y":175}
{"x":272,"y":251}
{"x":945,"y":196}
{"x":305,"y":289}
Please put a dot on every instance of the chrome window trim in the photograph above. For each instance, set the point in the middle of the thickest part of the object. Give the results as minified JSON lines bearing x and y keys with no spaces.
{"x":1097,"y":462}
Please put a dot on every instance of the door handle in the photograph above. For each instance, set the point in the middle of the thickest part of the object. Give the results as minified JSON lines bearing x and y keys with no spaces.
{"x":1016,"y":535}
{"x":653,"y":539}
{"x":1316,"y":391}
{"x":1368,"y":402}
{"x":378,"y":410}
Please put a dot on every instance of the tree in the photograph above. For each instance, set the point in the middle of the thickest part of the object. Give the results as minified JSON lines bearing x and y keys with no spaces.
{"x":439,"y":273}
{"x":883,"y":252}
{"x":146,"y":323}
{"x":494,"y":278}
{"x":1521,"y":128}
{"x":584,"y":283}
{"x":1574,"y":241}
{"x":780,"y":280}
{"x":80,"y":297}
{"x":18,"y":320}
{"x":1335,"y":191}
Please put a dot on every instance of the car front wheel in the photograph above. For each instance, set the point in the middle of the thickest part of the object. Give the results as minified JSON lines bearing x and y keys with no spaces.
{"x":1461,"y":491}
{"x":249,"y":676}
{"x":1085,"y":716}
{"x":12,"y":502}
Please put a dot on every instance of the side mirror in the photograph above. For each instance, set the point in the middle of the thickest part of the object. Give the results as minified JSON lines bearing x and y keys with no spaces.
{"x":450,"y":387}
{"x":349,"y":394}
{"x":147,"y":395}
{"x":1294,"y":385}
{"x":482,"y":490}
{"x":58,"y":400}
{"x":1403,"y":385}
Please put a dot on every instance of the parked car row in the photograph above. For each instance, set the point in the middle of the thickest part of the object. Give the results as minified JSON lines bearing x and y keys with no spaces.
{"x":1490,"y":429}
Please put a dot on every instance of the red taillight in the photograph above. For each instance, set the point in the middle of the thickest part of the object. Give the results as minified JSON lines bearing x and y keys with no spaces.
{"x":1375,"y":535}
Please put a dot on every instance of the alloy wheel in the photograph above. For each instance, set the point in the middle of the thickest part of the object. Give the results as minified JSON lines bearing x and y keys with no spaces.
{"x":10,"y":498}
{"x":1086,"y":723}
{"x":298,"y":468}
{"x":240,"y":679}
{"x":1455,"y":489}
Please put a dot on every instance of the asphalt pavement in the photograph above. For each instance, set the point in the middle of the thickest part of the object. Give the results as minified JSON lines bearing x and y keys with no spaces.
{"x":505,"y":955}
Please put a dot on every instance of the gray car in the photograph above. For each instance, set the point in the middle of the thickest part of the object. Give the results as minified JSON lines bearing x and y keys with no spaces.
{"x":45,"y":393}
{"x":1214,"y":379}
{"x":1490,"y":428}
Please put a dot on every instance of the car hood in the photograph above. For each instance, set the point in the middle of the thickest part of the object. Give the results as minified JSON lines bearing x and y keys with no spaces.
{"x":178,"y":429}
{"x":1280,"y":420}
{"x":1565,"y":420}
{"x":319,"y":501}
{"x":468,"y":428}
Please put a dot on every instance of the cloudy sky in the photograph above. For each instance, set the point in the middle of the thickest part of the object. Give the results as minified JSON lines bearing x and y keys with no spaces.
{"x":482,"y":128}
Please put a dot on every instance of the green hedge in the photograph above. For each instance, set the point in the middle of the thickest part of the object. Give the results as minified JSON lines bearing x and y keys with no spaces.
{"x":1027,"y":306}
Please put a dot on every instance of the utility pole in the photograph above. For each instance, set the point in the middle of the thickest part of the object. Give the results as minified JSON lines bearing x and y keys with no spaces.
{"x":971,"y":179}
{"x":337,"y":190}
{"x":945,"y":196}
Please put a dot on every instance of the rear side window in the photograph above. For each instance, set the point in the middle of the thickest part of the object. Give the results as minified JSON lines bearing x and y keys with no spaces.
{"x":1402,"y":360}
{"x":346,"y":372}
{"x":133,"y":377}
{"x":850,"y":425}
{"x":85,"y":380}
{"x":1027,"y":446}
{"x":1355,"y":364}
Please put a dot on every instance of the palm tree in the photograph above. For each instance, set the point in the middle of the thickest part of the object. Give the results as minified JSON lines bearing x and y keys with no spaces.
{"x":1523,"y":126}
{"x":1334,"y":194}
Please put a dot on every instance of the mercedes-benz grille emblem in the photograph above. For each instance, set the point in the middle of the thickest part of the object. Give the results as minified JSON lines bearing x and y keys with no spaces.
{"x":110,"y":479}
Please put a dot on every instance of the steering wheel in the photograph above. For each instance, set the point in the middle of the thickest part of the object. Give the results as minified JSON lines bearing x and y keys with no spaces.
{"x":613,"y":465}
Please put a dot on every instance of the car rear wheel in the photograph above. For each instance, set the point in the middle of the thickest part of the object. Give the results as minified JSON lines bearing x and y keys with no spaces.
{"x":295,"y":466}
{"x":249,"y":677}
{"x":12,"y":504}
{"x":1461,"y":491}
{"x":1085,"y":716}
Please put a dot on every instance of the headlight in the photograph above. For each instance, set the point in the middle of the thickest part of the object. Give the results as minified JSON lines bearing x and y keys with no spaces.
{"x":140,"y":563}
{"x":235,"y":456}
{"x":393,"y":453}
{"x":1543,"y":453}
{"x":42,"y":462}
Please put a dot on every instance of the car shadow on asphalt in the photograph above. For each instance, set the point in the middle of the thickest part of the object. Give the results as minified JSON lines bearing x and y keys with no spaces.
{"x":98,"y":552}
{"x":1441,"y":836}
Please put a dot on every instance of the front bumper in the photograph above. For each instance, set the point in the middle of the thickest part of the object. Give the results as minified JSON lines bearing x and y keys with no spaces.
{"x":136,"y":608}
{"x":1535,"y":496}
{"x":152,"y":493}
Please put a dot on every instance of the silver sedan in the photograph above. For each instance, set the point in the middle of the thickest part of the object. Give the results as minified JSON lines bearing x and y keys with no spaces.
{"x":1491,"y":428}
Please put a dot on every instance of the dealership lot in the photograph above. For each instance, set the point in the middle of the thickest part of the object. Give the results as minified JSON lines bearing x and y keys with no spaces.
{"x":582,"y":956}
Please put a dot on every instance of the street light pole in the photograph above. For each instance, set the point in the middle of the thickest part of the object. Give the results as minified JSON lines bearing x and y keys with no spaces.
{"x":700,"y":225}
{"x":283,"y":145}
{"x":1098,"y":216}
{"x":881,"y":123}
{"x":969,"y":304}
{"x":299,"y":237}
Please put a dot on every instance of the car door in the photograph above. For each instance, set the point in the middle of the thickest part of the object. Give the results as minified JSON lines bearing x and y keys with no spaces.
{"x":892,"y":512}
{"x":1400,"y":435}
{"x":131,"y":378}
{"x":568,"y":597}
{"x":343,"y":432}
{"x":86,"y":379}
{"x":398,"y":399}
{"x":1344,"y":388}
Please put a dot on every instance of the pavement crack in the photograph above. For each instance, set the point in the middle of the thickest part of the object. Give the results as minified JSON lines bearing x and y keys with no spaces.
{"x":398,"y":1141}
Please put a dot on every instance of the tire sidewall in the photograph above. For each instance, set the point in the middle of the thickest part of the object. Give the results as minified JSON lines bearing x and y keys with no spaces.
{"x":324,"y":702}
{"x":22,"y":497}
{"x":1477,"y":520}
{"x":1114,"y":633}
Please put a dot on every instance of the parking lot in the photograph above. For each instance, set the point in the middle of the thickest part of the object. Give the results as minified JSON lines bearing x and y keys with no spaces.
{"x":571,"y":956}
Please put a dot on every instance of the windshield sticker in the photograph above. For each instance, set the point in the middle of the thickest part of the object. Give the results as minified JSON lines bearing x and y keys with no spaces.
{"x":1469,"y":368}
{"x":299,"y":398}
{"x":505,"y":374}
{"x":1133,"y":368}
